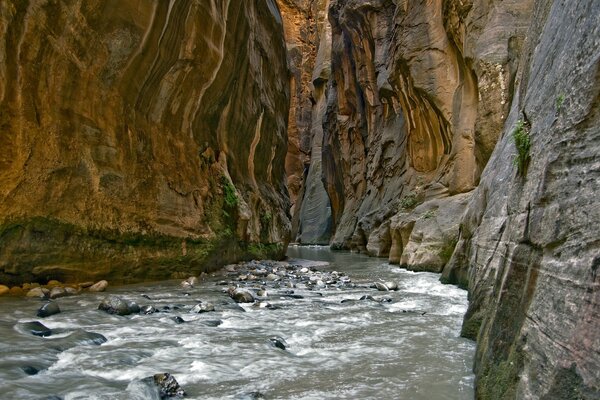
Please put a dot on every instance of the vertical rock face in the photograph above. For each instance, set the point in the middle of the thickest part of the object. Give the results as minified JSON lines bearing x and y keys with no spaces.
{"x":308,"y":37}
{"x":529,"y":248}
{"x":417,"y":99}
{"x":145,"y":134}
{"x":417,"y":158}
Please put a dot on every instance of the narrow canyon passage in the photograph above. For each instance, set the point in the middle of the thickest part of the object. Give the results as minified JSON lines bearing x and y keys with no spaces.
{"x":144,"y":142}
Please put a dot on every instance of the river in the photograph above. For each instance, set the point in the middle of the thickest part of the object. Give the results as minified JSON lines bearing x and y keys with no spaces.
{"x":408,"y":348}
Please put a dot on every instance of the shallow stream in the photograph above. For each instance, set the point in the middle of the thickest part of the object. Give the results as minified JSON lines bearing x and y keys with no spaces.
{"x":408,"y":348}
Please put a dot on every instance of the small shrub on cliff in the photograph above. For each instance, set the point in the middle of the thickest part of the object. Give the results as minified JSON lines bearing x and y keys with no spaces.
{"x":409,"y":201}
{"x":523,"y":144}
{"x":429,"y":214}
{"x":229,"y":193}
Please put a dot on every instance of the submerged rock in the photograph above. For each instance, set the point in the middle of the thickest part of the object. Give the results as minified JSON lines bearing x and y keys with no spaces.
{"x":147,"y":310}
{"x":29,"y":370}
{"x":48,"y":309}
{"x":37,"y":328}
{"x":178,"y":320}
{"x":212,"y":322}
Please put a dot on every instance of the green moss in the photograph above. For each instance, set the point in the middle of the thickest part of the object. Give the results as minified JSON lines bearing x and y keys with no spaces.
{"x":523,"y":144}
{"x":264,"y":250}
{"x":470,"y":328}
{"x":560,"y":100}
{"x":448,"y":249}
{"x":499,"y":381}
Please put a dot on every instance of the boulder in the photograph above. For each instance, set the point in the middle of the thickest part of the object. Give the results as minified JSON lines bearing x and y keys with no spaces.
{"x":167,"y":386}
{"x":4,"y":290}
{"x":147,"y":309}
{"x":99,"y":286}
{"x":134,"y":308}
{"x":37,"y":328}
{"x":38,"y":292}
{"x":202,"y":308}
{"x":58,"y":292}
{"x":48,"y":309}
{"x":114,"y":305}
{"x":241,"y":295}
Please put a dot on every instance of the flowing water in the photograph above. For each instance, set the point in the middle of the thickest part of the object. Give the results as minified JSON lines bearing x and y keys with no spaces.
{"x":406,"y":349}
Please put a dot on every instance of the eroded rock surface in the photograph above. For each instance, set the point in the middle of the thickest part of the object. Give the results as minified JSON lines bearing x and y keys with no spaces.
{"x":528,"y":249}
{"x":140,"y":138}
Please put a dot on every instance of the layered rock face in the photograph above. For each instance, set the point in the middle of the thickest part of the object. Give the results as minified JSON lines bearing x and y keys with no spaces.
{"x":529,"y":246}
{"x":308,"y":37}
{"x":140,"y":138}
{"x":418,"y":96}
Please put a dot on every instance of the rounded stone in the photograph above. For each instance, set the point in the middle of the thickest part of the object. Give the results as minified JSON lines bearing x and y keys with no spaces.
{"x":48,"y":309}
{"x":38,"y":292}
{"x":99,"y":286}
{"x":4,"y":290}
{"x":114,"y":305}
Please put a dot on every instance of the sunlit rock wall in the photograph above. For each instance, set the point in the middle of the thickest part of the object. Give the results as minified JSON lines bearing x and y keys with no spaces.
{"x":140,"y":139}
{"x":417,"y":99}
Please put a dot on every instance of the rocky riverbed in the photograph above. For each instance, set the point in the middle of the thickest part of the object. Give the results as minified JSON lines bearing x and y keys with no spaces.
{"x":338,"y":326}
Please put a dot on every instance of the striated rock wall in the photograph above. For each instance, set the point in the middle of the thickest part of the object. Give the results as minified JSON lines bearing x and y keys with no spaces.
{"x":308,"y":37}
{"x":529,"y":247}
{"x":417,"y":99}
{"x":140,"y":139}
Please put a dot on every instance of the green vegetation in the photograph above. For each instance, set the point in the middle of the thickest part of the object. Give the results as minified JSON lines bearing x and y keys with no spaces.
{"x":229,"y":193}
{"x":559,"y":102}
{"x":264,"y":250}
{"x":428,"y":214}
{"x":523,"y":144}
{"x":409,"y":201}
{"x":499,"y":381}
{"x":448,"y":249}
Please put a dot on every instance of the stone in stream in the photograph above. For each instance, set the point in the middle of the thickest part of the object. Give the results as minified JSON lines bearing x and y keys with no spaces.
{"x":147,"y":310}
{"x":167,"y":386}
{"x":241,"y":295}
{"x":4,"y":289}
{"x":212,"y":322}
{"x":391,"y":285}
{"x":367,"y":297}
{"x":278,"y":342}
{"x":37,"y":328}
{"x":48,"y":309}
{"x":81,"y":337}
{"x":114,"y":305}
{"x":58,"y":292}
{"x":253,"y":396}
{"x":29,"y":370}
{"x":42,"y":293}
{"x":134,"y":308}
{"x":178,"y":320}
{"x":202,"y":308}
{"x":99,"y":286}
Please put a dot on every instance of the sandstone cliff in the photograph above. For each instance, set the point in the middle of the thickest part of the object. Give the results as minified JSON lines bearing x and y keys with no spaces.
{"x":140,"y":139}
{"x":418,"y":96}
{"x":308,"y":37}
{"x":529,"y":249}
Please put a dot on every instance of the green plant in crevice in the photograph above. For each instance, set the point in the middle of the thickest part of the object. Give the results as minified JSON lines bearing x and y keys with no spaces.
{"x":229,"y":193}
{"x":409,"y":201}
{"x":428,"y":214}
{"x":523,"y":144}
{"x":560,"y":100}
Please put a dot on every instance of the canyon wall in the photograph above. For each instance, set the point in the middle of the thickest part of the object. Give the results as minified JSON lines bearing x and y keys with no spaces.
{"x":416,"y":152}
{"x":308,"y":38}
{"x":417,"y":99}
{"x":529,"y":248}
{"x":141,"y":139}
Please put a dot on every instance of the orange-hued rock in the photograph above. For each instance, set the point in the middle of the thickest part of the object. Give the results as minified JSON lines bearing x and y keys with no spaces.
{"x":417,"y":99}
{"x":140,"y":138}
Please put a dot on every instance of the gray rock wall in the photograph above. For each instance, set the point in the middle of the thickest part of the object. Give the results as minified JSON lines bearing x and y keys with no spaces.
{"x":529,"y":248}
